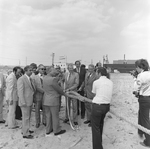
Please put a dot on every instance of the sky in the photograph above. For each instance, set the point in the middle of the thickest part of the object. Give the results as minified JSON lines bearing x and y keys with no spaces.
{"x":86,"y":30}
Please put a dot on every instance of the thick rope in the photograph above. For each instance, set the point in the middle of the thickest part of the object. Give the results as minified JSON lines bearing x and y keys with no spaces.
{"x":75,"y":95}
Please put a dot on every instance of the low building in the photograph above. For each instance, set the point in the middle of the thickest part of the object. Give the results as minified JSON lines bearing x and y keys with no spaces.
{"x":124,"y":61}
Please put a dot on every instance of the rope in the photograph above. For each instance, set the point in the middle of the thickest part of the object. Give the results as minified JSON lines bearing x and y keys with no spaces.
{"x":79,"y":97}
{"x":130,"y":122}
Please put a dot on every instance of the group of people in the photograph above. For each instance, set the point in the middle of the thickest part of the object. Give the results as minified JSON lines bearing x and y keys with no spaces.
{"x":42,"y":88}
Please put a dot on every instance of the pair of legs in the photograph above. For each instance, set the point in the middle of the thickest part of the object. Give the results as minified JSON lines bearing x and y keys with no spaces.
{"x":144,"y":116}
{"x":52,"y":119}
{"x":38,"y":106}
{"x":81,"y":106}
{"x":26,"y":115}
{"x":1,"y":106}
{"x":11,"y":121}
{"x":74,"y":106}
{"x":97,"y":122}
{"x":88,"y":108}
{"x":18,"y":112}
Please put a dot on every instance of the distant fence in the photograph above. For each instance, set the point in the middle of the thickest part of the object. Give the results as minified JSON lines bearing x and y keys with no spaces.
{"x":122,"y":68}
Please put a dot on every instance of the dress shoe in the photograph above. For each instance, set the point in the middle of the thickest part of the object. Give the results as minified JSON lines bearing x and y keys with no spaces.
{"x":60,"y":132}
{"x":143,"y":144}
{"x":37,"y":125}
{"x":2,"y":122}
{"x":48,"y":134}
{"x":20,"y":119}
{"x":75,"y":123}
{"x":28,"y":137}
{"x":15,"y":127}
{"x":66,"y":120}
{"x":30,"y":131}
{"x":86,"y":122}
{"x":44,"y":124}
{"x":89,"y":125}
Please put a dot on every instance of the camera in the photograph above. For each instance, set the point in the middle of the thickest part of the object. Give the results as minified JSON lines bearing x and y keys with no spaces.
{"x":136,"y":94}
{"x":134,"y":73}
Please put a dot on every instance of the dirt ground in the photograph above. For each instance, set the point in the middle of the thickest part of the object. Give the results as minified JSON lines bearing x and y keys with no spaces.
{"x":118,"y":134}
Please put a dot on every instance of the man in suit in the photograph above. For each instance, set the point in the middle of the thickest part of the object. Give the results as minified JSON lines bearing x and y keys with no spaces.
{"x":89,"y":79}
{"x":52,"y":92}
{"x":12,"y":97}
{"x":38,"y":96}
{"x":26,"y":89}
{"x":81,"y":71}
{"x":71,"y":84}
{"x":2,"y":94}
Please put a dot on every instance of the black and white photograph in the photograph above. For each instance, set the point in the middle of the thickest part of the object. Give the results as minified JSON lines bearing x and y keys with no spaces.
{"x":74,"y":74}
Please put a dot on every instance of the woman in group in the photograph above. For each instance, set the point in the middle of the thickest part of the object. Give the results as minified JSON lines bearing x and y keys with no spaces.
{"x":142,"y":87}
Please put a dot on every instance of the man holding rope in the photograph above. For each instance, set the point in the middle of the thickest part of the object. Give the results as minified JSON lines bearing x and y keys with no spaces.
{"x":102,"y":88}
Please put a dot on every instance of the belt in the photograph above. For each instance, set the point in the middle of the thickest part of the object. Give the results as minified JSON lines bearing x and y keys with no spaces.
{"x":103,"y":104}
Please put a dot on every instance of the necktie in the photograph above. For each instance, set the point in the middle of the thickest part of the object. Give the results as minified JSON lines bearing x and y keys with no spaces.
{"x":32,"y":85}
{"x":41,"y":81}
{"x":68,"y":76}
{"x":88,"y":76}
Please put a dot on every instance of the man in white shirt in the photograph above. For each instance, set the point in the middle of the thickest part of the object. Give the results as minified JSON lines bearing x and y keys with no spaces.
{"x":12,"y":97}
{"x":142,"y":86}
{"x":102,"y":88}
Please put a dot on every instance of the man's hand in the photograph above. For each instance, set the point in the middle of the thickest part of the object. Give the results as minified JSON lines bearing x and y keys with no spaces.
{"x":11,"y":102}
{"x":81,"y":99}
{"x":80,"y":89}
{"x":24,"y":105}
{"x":67,"y":90}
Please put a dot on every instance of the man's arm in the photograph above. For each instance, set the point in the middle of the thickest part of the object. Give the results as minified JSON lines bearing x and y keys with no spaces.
{"x":20,"y":89}
{"x":57,"y":87}
{"x":94,"y":89}
{"x":10,"y":85}
{"x":38,"y":86}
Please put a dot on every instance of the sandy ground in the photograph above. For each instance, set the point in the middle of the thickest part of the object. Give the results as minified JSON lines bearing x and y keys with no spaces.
{"x":117,"y":133}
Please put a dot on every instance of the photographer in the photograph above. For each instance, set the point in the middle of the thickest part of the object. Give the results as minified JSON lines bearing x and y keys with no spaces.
{"x":142,"y":87}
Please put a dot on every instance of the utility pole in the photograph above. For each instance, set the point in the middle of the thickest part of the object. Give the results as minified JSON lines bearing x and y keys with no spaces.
{"x":26,"y":61}
{"x":53,"y":55}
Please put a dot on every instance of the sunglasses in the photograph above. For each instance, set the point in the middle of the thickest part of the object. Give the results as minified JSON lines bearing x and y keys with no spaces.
{"x":42,"y":68}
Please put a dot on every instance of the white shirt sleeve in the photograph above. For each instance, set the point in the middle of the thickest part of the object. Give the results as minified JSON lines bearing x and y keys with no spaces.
{"x":137,"y":83}
{"x":94,"y":88}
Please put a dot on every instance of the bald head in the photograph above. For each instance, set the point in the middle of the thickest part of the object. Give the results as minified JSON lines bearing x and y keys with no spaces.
{"x":91,"y":68}
{"x":52,"y":71}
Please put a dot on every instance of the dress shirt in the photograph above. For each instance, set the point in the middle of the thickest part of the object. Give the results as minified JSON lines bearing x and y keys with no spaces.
{"x":103,"y":88}
{"x":142,"y":83}
{"x":78,"y":70}
{"x":40,"y":76}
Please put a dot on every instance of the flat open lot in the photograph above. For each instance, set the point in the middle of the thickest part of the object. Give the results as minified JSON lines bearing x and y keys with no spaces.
{"x":117,"y":133}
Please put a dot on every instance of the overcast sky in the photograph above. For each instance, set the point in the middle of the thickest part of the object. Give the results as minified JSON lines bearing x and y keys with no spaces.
{"x":77,"y":29}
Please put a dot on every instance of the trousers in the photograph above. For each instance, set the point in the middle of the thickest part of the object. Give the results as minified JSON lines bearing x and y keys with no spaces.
{"x":97,"y":123}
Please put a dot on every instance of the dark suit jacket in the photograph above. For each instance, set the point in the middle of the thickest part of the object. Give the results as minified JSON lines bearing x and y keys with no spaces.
{"x":89,"y":84}
{"x":52,"y":91}
{"x":81,"y":76}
